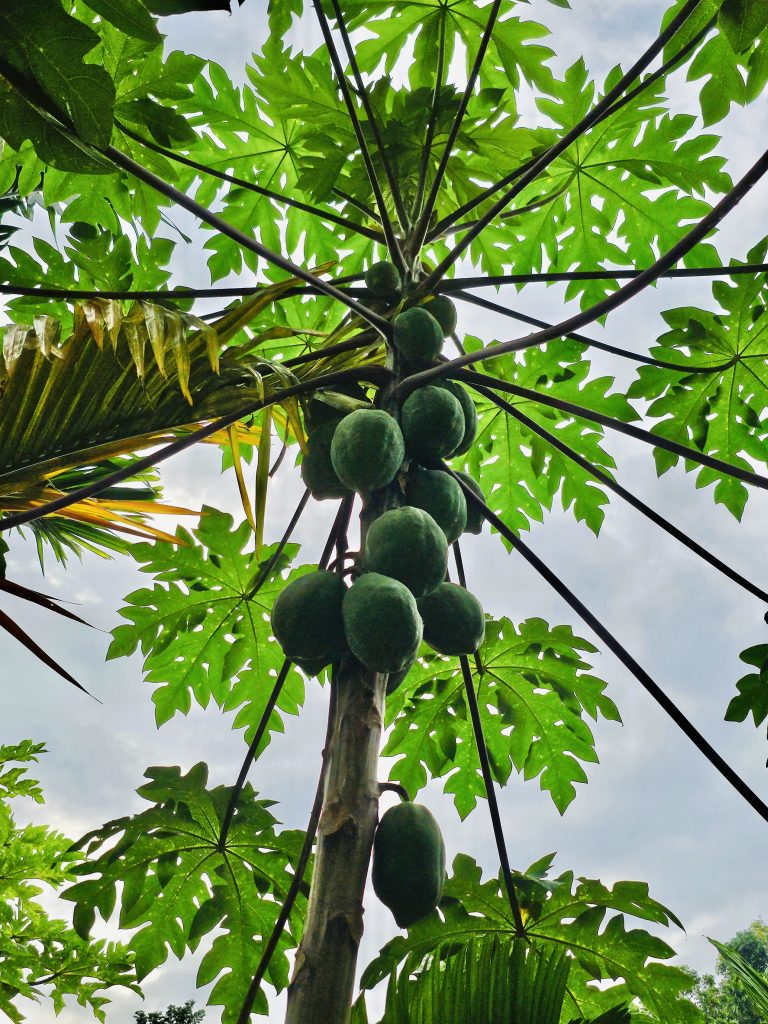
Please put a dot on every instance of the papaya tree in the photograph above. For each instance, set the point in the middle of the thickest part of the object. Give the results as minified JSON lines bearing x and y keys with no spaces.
{"x":357,"y":192}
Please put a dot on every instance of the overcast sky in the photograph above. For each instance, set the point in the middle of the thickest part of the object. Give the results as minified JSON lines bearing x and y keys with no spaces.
{"x":653,"y":809}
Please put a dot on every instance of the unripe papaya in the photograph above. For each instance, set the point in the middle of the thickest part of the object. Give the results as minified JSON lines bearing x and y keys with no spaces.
{"x":407,"y":545}
{"x":367,"y":450}
{"x":317,"y":470}
{"x":394,"y":679}
{"x":408,"y":862}
{"x":470,"y":414}
{"x":454,"y":622}
{"x":311,"y":668}
{"x":433,"y":425}
{"x":417,"y":335}
{"x":475,"y":518}
{"x":444,"y":311}
{"x":382,"y":622}
{"x":307,"y":619}
{"x":332,"y":404}
{"x":439,"y":495}
{"x":383,"y":279}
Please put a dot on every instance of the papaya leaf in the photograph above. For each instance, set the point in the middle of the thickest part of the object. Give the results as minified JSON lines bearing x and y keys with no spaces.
{"x":47,"y":46}
{"x":719,"y":407}
{"x":535,"y":693}
{"x":519,"y":472}
{"x":205,"y":635}
{"x":752,"y":698}
{"x":581,"y":916}
{"x":165,"y":871}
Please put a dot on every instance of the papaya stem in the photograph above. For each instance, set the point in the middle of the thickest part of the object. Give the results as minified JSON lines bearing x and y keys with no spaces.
{"x":395,"y":787}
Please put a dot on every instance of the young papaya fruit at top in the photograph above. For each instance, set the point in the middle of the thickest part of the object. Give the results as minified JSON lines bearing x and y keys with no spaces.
{"x":475,"y":518}
{"x":367,"y":450}
{"x":408,"y":862}
{"x":383,"y":279}
{"x":317,"y":470}
{"x":444,"y":311}
{"x":439,"y":495}
{"x":407,"y":545}
{"x":454,"y":621}
{"x":470,"y":414}
{"x":307,"y":620}
{"x":433,"y":424}
{"x":382,"y":622}
{"x":417,"y":335}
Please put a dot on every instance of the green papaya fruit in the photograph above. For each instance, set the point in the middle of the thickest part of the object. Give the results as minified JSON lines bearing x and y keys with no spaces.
{"x":311,"y":668}
{"x":470,"y":414}
{"x":432,"y":421}
{"x":317,"y":470}
{"x":383,"y":279}
{"x":332,"y":404}
{"x":454,"y":621}
{"x":367,"y":450}
{"x":382,"y":622}
{"x":408,"y":862}
{"x":307,"y":618}
{"x":406,"y":544}
{"x":417,"y":335}
{"x":444,"y":311}
{"x":475,"y":517}
{"x":439,"y":495}
{"x":394,"y":679}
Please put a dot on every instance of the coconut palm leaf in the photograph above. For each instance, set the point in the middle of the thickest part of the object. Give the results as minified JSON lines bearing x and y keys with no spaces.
{"x":489,"y":979}
{"x":755,"y":985}
{"x":120,"y":382}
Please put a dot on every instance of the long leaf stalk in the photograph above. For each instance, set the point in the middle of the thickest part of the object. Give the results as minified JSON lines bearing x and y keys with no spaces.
{"x":389,"y":172}
{"x":631,"y":499}
{"x":392,"y":243}
{"x":282,"y":675}
{"x":205,"y":169}
{"x":614,"y":350}
{"x":542,"y":162}
{"x":244,"y":1016}
{"x":645,"y":680}
{"x":610,"y":302}
{"x":638,"y":433}
{"x":485,"y":766}
{"x":373,"y":374}
{"x":454,"y":284}
{"x":531,"y":207}
{"x":205,"y":215}
{"x":434,"y":111}
{"x":445,"y":224}
{"x":420,"y":231}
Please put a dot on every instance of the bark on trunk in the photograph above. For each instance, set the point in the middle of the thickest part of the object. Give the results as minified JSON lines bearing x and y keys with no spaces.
{"x":322,"y":986}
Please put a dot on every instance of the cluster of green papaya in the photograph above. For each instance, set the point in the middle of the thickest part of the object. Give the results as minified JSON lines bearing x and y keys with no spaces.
{"x":400,"y":595}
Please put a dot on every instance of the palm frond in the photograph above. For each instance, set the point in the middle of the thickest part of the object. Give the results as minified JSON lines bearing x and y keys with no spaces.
{"x":755,"y":985}
{"x":489,"y":979}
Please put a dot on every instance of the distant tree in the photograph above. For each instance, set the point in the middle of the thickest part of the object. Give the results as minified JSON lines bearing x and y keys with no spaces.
{"x":722,"y":999}
{"x":173,"y":1015}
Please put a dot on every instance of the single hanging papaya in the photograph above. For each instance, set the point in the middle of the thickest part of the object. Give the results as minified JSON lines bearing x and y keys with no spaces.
{"x":408,"y":862}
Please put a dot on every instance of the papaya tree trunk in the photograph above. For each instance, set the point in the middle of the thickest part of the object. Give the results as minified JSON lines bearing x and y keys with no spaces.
{"x":321,"y":989}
